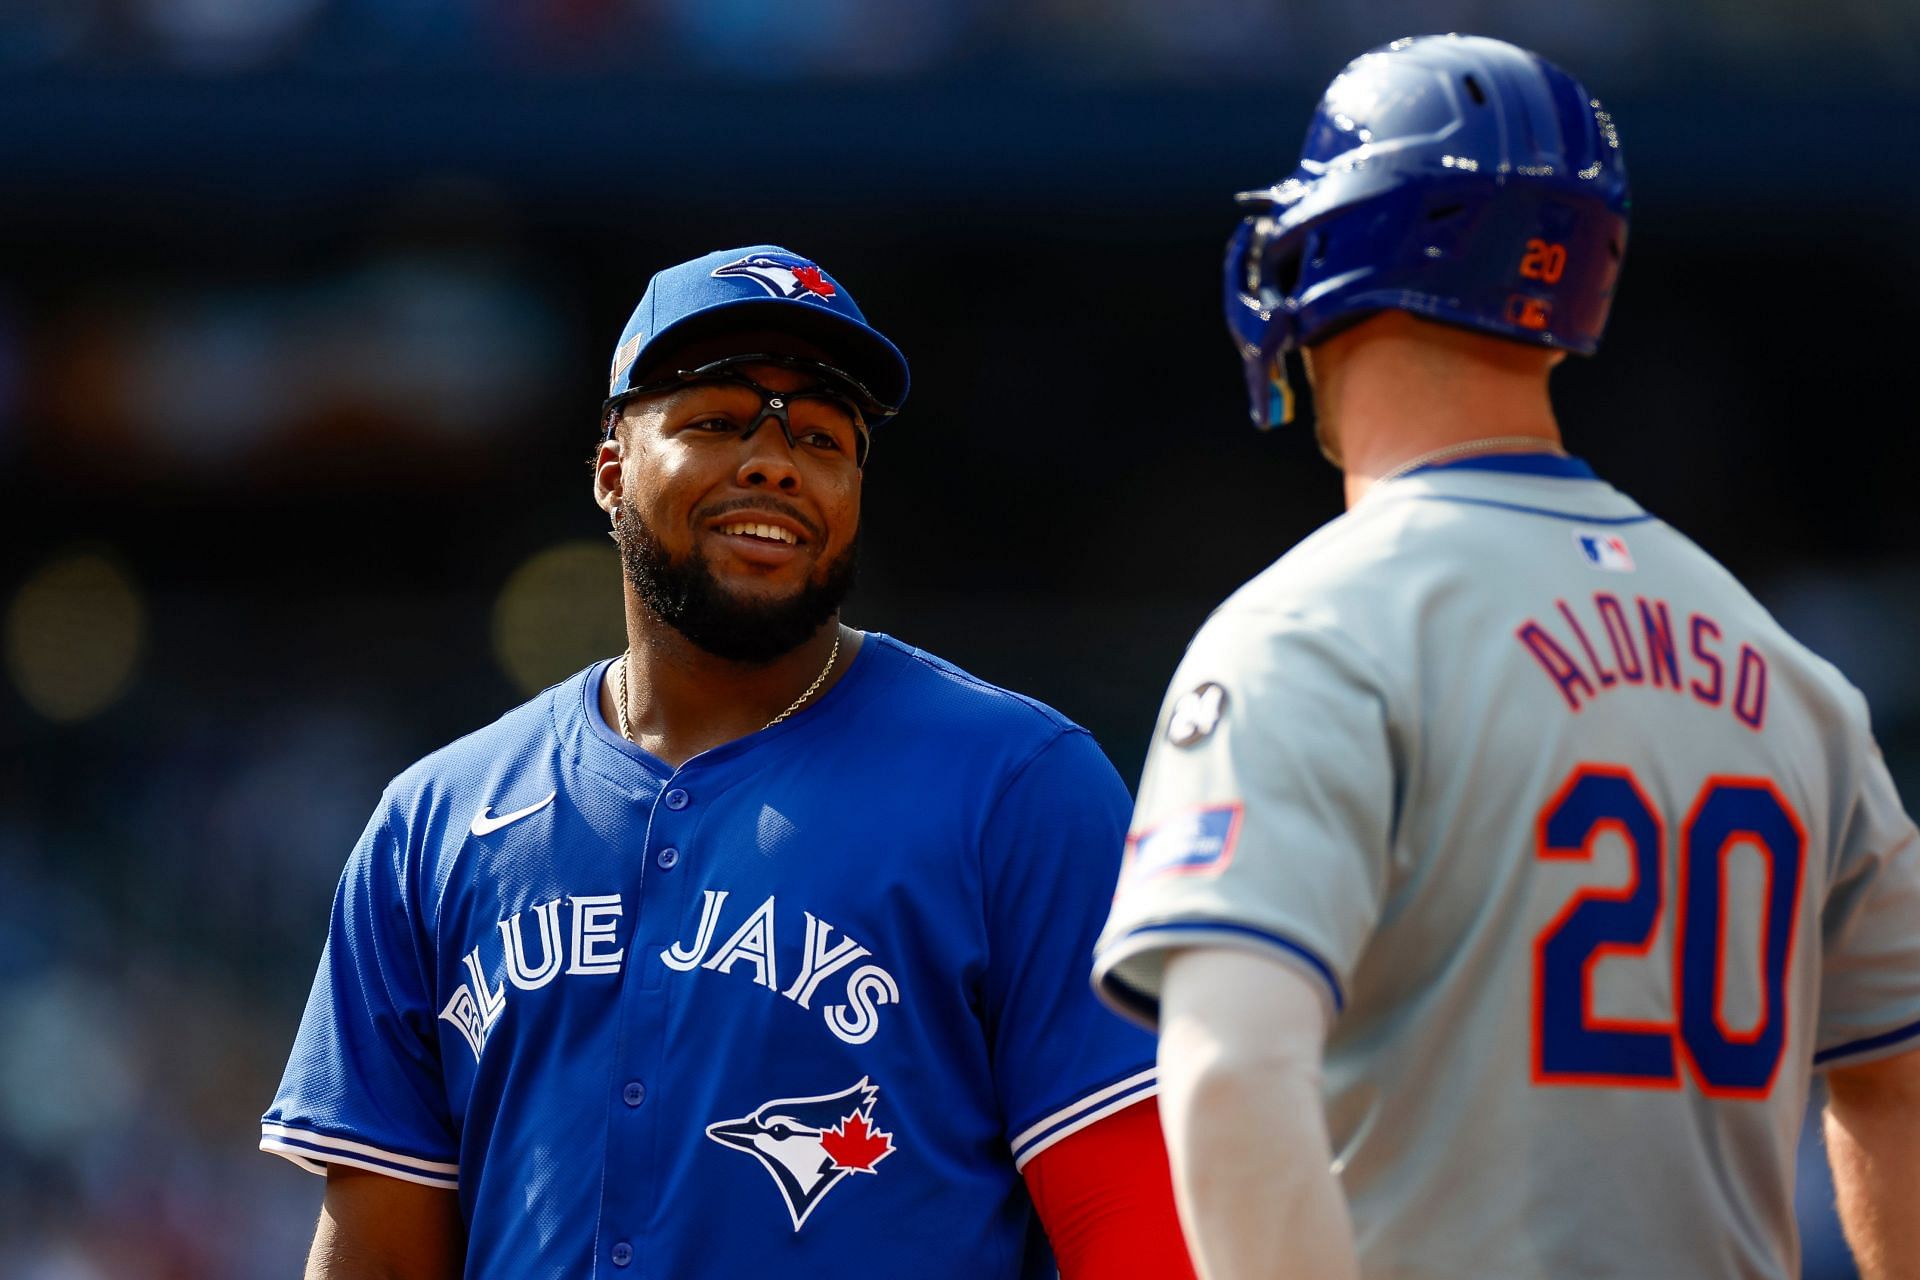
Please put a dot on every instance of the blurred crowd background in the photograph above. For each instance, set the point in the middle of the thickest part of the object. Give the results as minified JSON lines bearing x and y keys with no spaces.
{"x":305,"y":311}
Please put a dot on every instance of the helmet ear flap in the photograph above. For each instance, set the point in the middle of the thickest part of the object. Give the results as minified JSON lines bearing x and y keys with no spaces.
{"x":1279,"y":403}
{"x":1261,"y":268}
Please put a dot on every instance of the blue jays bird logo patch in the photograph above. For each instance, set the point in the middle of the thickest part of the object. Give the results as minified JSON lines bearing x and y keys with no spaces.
{"x":808,"y":1145}
{"x":783,"y":275}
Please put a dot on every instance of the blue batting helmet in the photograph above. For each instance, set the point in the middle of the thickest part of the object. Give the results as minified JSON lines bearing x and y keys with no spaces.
{"x":1455,"y":177}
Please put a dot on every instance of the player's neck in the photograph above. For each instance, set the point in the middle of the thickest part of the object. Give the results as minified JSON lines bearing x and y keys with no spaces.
{"x":1391,"y":454}
{"x":1397,"y":389}
{"x":682,"y":700}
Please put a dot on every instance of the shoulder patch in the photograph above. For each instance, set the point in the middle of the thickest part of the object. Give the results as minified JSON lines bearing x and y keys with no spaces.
{"x":1197,"y":842}
{"x":1196,"y":714}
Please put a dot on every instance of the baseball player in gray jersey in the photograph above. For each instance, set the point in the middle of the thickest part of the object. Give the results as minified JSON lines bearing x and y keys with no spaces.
{"x":1496,"y":851}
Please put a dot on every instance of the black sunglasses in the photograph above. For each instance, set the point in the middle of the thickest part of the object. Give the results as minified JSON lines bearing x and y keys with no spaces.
{"x":833,"y":383}
{"x":854,"y":390}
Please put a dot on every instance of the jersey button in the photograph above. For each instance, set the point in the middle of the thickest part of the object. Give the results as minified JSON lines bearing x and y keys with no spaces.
{"x":635,"y":1093}
{"x":667,"y":858}
{"x":621,"y":1254}
{"x":678,"y":799}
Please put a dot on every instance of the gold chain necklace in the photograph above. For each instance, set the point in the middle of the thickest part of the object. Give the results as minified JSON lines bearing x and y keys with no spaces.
{"x":626,"y":660}
{"x":1533,"y":444}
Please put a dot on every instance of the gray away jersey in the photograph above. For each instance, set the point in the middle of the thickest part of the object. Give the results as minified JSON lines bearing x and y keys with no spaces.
{"x":1594,"y":864}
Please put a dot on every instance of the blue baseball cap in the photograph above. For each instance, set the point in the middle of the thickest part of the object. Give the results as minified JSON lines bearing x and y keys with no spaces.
{"x":759,"y":287}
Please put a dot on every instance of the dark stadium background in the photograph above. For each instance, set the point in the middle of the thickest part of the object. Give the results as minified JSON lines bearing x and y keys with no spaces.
{"x":305,"y":311}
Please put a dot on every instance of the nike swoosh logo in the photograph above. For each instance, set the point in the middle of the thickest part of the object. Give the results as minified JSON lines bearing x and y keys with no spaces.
{"x":484,"y":823}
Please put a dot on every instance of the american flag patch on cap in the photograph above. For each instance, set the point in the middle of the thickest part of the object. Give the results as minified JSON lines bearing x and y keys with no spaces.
{"x":622,"y":361}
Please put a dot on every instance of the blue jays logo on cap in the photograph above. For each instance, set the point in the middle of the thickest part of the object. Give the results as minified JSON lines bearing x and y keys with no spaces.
{"x":809,"y":1145}
{"x":783,"y":275}
{"x":752,"y":288}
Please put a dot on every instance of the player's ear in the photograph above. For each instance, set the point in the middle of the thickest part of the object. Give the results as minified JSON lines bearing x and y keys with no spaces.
{"x":609,"y":480}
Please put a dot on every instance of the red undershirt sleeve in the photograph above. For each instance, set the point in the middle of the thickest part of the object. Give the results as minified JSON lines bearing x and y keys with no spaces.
{"x":1105,"y":1197}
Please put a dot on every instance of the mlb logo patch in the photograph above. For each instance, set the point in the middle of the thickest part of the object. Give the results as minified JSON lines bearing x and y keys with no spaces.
{"x":1198,"y":842}
{"x":1604,"y":551}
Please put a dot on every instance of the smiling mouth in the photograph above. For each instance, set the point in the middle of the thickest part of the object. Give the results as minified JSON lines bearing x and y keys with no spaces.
{"x":765,"y":532}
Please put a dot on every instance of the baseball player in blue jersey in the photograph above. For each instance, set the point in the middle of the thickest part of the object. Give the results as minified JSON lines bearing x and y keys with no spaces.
{"x":1502,"y":873}
{"x":757,"y":950}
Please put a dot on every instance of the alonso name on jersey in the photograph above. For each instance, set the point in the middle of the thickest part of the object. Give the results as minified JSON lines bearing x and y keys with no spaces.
{"x":1588,"y":646}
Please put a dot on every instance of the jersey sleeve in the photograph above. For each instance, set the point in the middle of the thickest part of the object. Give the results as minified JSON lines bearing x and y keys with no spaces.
{"x":1265,"y":813}
{"x":1051,"y":850}
{"x":363,"y":1086}
{"x":1105,"y":1197}
{"x":1870,"y":931}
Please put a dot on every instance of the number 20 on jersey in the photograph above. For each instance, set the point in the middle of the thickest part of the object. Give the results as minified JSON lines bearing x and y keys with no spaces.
{"x":1572,"y":1046}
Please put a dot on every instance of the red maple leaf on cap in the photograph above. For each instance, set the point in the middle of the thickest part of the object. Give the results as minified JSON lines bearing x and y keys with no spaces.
{"x":814,"y":281}
{"x":855,"y":1145}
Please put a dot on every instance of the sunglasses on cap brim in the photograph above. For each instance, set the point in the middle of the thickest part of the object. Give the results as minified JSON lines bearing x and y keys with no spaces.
{"x":835,"y":379}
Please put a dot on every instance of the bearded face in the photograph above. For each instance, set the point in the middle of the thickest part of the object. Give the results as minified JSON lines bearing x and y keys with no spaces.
{"x":741,"y":622}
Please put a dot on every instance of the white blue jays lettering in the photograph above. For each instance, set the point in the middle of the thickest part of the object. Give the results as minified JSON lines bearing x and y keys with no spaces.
{"x":752,"y":944}
{"x":589,"y":949}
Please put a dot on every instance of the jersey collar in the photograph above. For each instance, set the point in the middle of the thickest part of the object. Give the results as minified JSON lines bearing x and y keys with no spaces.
{"x":824,"y":711}
{"x":1559,"y":466}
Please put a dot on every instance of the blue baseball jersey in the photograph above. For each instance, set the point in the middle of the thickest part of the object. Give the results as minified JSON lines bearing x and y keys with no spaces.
{"x":807,"y":1003}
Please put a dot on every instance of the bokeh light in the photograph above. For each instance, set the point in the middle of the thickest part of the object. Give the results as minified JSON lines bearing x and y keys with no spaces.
{"x":558,"y":612}
{"x":75,"y":631}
